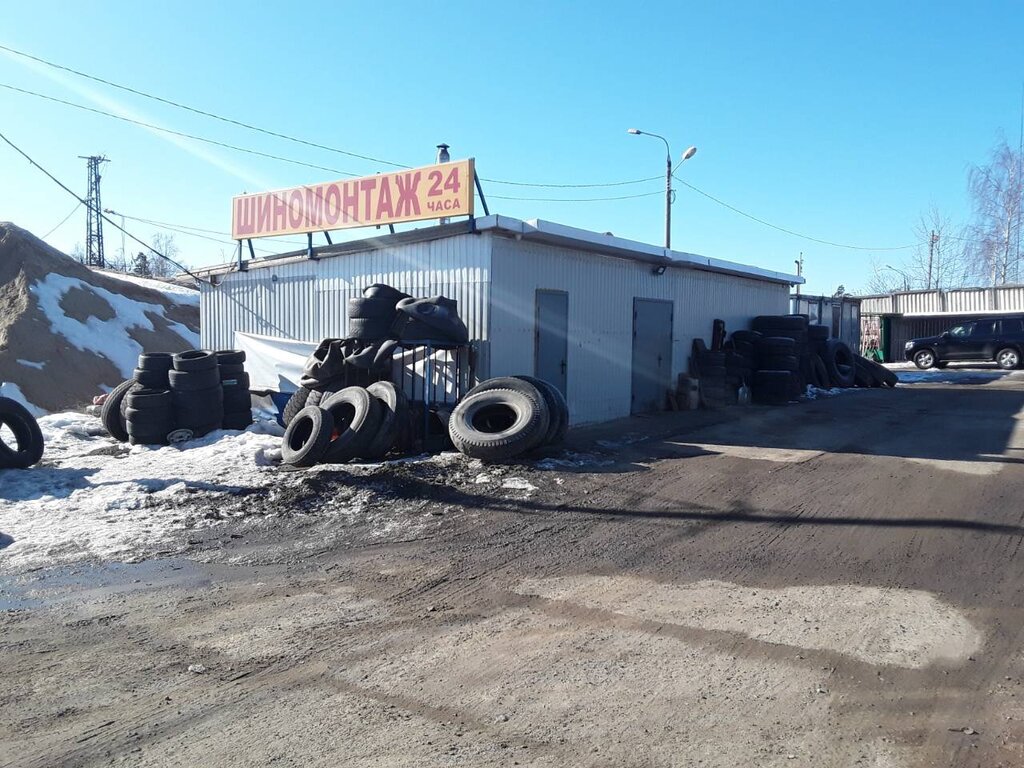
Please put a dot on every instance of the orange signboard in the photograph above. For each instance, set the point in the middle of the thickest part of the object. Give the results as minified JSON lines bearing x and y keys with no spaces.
{"x":430,"y":192}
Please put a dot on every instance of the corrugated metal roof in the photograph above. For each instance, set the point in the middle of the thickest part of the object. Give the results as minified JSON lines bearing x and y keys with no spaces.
{"x":535,"y":230}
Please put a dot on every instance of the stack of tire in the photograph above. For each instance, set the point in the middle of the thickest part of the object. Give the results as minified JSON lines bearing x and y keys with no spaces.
{"x":234,"y":382}
{"x":741,"y":359}
{"x":352,"y":423}
{"x":28,"y":438}
{"x":712,"y":372}
{"x":198,"y":397}
{"x":507,"y":416}
{"x":372,"y":317}
{"x":782,"y":358}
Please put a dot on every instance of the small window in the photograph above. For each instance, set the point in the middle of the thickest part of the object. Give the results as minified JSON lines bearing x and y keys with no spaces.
{"x":961,"y":331}
{"x":1012,"y":325}
{"x":984,"y":328}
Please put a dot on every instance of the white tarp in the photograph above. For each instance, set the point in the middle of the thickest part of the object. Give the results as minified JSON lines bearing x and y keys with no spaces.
{"x":273,"y":364}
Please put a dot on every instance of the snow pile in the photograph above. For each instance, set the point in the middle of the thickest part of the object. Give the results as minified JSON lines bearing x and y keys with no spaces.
{"x":68,"y":333}
{"x":94,"y":497}
{"x":13,"y":391}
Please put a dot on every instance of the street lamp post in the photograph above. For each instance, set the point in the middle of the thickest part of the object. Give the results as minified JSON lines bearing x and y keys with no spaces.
{"x":901,"y":273}
{"x":112,"y":212}
{"x":668,"y":178}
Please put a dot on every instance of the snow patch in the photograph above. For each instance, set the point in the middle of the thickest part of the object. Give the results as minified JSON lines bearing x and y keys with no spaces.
{"x":94,"y":497}
{"x":30,"y":364}
{"x":179,"y":294}
{"x":108,"y":338}
{"x":13,"y":391}
{"x":518,"y":484}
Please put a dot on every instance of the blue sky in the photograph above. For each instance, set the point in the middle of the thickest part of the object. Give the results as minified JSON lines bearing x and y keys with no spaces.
{"x":843,"y":121}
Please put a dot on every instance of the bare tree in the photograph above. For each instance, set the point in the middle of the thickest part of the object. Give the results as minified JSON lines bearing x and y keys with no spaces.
{"x":78,"y":253}
{"x":939,"y":261}
{"x":997,"y":190}
{"x":164,"y":243}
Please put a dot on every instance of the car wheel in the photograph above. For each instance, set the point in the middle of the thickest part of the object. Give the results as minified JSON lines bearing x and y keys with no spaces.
{"x":1008,"y":358}
{"x":924,"y":359}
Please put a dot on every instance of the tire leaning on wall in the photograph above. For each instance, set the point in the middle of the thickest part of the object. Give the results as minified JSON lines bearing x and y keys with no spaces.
{"x":498,"y":424}
{"x":28,"y":438}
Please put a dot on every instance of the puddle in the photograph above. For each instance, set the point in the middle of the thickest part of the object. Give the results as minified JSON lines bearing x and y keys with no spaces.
{"x":91,"y":581}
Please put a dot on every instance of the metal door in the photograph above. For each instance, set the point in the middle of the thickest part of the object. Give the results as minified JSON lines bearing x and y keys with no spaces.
{"x":652,"y":354}
{"x":552,"y":338}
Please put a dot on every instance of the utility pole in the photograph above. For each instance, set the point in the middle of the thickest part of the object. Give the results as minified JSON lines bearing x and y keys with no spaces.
{"x":94,"y":217}
{"x":799,"y":270}
{"x":933,"y":240}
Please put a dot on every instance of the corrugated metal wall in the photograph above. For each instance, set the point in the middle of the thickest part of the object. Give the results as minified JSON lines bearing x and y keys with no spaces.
{"x":307,"y":300}
{"x":601,"y":291}
{"x":1008,"y":298}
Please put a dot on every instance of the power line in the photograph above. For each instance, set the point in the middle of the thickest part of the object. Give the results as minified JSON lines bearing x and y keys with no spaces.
{"x":790,"y":231}
{"x":173,"y":132}
{"x":106,"y":218}
{"x":294,"y":139}
{"x":574,"y":199}
{"x":77,"y":206}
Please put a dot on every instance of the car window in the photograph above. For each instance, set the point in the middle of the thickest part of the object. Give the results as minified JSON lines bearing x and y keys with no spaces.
{"x":983,"y":328}
{"x":961,"y":331}
{"x":1012,"y":325}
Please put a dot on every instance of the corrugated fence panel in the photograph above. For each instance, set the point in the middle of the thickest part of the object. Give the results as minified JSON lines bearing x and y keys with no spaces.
{"x":1010,"y":298}
{"x":308,"y":300}
{"x":601,"y":290}
{"x":968,"y":300}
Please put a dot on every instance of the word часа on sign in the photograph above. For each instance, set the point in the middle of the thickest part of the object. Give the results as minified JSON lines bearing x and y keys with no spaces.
{"x":388,"y":198}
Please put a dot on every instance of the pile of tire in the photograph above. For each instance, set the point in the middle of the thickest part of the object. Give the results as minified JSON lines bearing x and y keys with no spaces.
{"x":182,"y":396}
{"x":28,"y":438}
{"x":384,"y":313}
{"x":716,"y":390}
{"x":353,"y":423}
{"x":507,"y":416}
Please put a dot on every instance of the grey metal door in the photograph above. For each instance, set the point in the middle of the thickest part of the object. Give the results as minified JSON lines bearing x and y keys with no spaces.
{"x":652,"y":354}
{"x":552,"y":338}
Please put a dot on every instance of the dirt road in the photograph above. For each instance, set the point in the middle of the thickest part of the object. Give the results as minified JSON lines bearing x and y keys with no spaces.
{"x":836,"y":583}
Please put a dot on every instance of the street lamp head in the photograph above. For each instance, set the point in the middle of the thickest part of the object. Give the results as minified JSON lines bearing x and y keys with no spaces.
{"x":109,"y":210}
{"x":634,"y":131}
{"x":689,"y":153}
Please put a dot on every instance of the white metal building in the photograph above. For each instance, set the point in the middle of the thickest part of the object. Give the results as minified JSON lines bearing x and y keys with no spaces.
{"x":608,"y":320}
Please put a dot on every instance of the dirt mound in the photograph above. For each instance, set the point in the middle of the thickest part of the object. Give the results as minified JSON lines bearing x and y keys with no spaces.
{"x":68,"y":333}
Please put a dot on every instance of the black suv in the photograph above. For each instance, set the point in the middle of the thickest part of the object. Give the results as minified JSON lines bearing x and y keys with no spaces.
{"x":991,"y":338}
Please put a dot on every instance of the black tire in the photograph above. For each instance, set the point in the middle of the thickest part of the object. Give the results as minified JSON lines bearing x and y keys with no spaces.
{"x":517,"y":384}
{"x":839,"y":362}
{"x":776,"y":345}
{"x":191,"y":381}
{"x":1008,"y":358}
{"x":883,"y":374}
{"x":151,"y":379}
{"x":28,"y":438}
{"x":146,"y":438}
{"x":377,"y":308}
{"x":862,"y":375}
{"x":149,"y":399}
{"x":772,"y":387}
{"x":925,"y":359}
{"x":195,"y":360}
{"x":558,"y":409}
{"x":295,"y":404}
{"x":111,"y":415}
{"x":306,"y":439}
{"x":235,"y":381}
{"x":382,"y":291}
{"x":199,"y":409}
{"x":357,"y":417}
{"x":394,"y":418}
{"x":745,"y":348}
{"x":787,"y":322}
{"x":369,"y":329}
{"x":440,"y":313}
{"x":821,"y":372}
{"x":155,"y":361}
{"x":750,"y":337}
{"x":780,"y":363}
{"x":237,"y":400}
{"x":230,"y":357}
{"x":149,"y":422}
{"x":230,"y":371}
{"x":711,"y":359}
{"x":817,"y":332}
{"x":497,"y":424}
